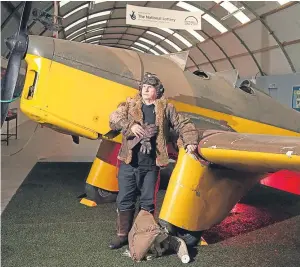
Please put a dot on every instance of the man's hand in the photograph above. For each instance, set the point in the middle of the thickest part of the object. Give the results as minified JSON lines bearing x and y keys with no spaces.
{"x":191,"y":148}
{"x":138,"y":130}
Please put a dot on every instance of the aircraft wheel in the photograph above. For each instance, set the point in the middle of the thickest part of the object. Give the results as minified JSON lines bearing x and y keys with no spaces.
{"x":192,"y":239}
{"x":99,"y":195}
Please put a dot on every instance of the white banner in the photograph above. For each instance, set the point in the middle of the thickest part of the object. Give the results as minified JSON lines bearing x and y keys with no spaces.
{"x":163,"y":18}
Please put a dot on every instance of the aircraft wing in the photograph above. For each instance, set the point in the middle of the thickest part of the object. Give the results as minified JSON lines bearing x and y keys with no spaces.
{"x":256,"y":153}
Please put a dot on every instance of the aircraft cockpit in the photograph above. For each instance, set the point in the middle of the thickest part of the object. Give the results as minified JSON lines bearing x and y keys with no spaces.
{"x":201,"y":74}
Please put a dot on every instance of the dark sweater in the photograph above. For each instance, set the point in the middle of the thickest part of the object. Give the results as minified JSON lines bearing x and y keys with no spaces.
{"x":139,"y":159}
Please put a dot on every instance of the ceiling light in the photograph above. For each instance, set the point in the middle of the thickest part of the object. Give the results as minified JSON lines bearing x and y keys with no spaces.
{"x":75,"y":23}
{"x":97,"y":36}
{"x":282,"y":2}
{"x":162,"y":49}
{"x":236,"y":12}
{"x":154,"y":52}
{"x":75,"y":32}
{"x":179,"y":37}
{"x":174,"y":45}
{"x":215,"y":23}
{"x":84,"y":19}
{"x":196,"y":35}
{"x":83,"y":28}
{"x":76,"y":36}
{"x":97,"y":23}
{"x":188,"y":7}
{"x":62,"y":3}
{"x":141,"y":45}
{"x":75,"y":10}
{"x":167,"y":30}
{"x":137,"y":49}
{"x":156,"y":35}
{"x":99,"y":14}
{"x":207,"y":17}
{"x":183,"y":40}
{"x":146,"y":41}
{"x":99,"y":1}
{"x":166,"y":40}
{"x":95,"y":30}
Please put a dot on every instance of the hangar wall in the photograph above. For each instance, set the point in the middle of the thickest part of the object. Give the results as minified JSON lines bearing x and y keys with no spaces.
{"x":283,"y":85}
{"x":279,"y":87}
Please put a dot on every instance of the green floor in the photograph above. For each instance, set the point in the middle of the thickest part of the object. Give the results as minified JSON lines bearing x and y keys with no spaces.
{"x":44,"y":225}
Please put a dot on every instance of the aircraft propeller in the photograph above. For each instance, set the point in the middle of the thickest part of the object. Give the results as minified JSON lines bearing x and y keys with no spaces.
{"x":17,"y":44}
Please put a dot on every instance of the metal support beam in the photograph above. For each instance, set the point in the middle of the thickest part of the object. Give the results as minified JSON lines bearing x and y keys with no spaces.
{"x":13,"y":13}
{"x":87,"y":18}
{"x":11,"y":9}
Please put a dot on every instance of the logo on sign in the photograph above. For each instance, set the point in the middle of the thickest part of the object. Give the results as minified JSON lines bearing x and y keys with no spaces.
{"x":133,"y":16}
{"x":191,"y":21}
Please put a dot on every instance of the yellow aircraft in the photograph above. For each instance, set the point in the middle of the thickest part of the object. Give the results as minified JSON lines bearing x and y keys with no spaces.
{"x":73,"y":87}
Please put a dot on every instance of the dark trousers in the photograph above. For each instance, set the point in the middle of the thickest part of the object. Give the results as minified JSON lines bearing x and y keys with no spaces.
{"x":133,"y":182}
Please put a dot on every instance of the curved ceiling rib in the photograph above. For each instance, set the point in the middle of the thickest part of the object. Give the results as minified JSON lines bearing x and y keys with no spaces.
{"x":195,"y":34}
{"x":115,"y":33}
{"x":236,"y":35}
{"x":125,"y":39}
{"x":204,"y":54}
{"x":263,"y":22}
{"x":129,"y":27}
{"x":184,"y":5}
{"x":252,"y":21}
{"x":222,"y":50}
{"x":111,"y":9}
{"x":109,"y":18}
{"x":150,"y":44}
{"x":102,"y":28}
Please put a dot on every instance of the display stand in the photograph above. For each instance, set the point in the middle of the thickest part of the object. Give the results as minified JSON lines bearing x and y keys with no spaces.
{"x":10,"y":116}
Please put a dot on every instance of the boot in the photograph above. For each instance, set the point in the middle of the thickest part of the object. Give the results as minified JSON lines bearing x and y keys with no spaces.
{"x":124,"y":224}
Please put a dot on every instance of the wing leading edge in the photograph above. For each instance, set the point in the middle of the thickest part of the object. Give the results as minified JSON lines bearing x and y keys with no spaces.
{"x":251,"y":152}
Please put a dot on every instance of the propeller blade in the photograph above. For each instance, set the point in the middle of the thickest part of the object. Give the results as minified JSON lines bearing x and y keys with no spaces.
{"x":25,"y":17}
{"x":17,"y":44}
{"x":10,"y":82}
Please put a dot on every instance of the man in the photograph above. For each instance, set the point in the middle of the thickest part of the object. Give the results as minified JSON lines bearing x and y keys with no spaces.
{"x":145,"y":122}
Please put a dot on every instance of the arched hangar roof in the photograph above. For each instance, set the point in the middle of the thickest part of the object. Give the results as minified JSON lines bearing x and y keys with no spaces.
{"x":255,"y":37}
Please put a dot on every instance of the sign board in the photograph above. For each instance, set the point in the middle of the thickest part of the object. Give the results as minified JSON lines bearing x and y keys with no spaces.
{"x":296,"y":98}
{"x":163,"y":18}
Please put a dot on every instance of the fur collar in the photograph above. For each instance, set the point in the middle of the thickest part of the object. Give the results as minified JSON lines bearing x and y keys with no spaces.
{"x":135,"y":109}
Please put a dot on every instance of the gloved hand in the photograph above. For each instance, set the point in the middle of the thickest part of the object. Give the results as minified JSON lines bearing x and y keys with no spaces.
{"x":150,"y":131}
{"x":145,"y":146}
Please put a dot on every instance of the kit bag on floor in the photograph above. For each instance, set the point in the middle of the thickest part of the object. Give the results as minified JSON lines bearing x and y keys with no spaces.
{"x":142,"y":235}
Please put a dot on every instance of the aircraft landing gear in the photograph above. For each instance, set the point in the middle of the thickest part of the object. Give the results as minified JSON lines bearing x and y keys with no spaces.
{"x":101,"y":183}
{"x":99,"y":195}
{"x":191,"y":239}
